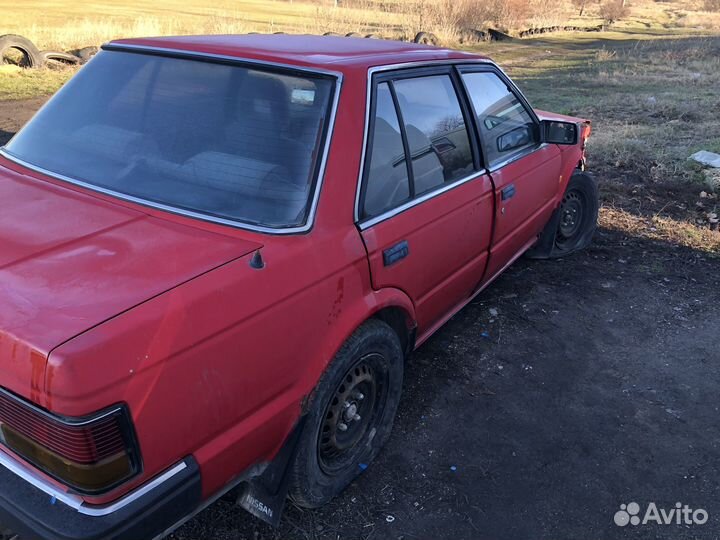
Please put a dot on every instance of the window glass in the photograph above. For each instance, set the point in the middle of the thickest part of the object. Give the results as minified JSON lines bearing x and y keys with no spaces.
{"x":222,"y":140}
{"x":387,"y":181}
{"x":505,"y":126}
{"x":436,"y":132}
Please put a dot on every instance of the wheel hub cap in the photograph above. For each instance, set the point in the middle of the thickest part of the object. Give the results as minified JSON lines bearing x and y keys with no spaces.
{"x":571,"y":214}
{"x":348,"y":416}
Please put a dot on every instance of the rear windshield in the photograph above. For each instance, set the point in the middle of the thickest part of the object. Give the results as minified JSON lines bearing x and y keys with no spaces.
{"x":227,"y":141}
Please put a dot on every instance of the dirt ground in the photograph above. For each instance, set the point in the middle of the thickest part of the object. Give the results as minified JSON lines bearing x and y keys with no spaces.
{"x":566,"y":389}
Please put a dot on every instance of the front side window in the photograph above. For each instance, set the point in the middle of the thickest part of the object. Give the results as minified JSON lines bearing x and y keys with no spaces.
{"x":226,"y":141}
{"x":506,"y":128}
{"x":436,"y":132}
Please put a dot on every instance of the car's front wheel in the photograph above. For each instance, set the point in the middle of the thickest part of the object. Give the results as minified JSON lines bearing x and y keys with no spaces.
{"x":351,"y":415}
{"x":574,"y":223}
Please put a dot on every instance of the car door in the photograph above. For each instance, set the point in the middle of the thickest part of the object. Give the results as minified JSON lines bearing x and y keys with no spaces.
{"x":525,"y":172}
{"x":425,"y":206}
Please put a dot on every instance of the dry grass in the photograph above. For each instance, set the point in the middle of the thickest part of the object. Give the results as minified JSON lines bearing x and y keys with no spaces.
{"x":17,"y":83}
{"x":653,"y":103}
{"x":62,"y":24}
{"x":674,"y":231}
{"x":59,"y":24}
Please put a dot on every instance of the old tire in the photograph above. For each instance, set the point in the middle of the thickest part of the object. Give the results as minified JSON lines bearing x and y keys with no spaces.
{"x":31,"y":54}
{"x":354,"y":34}
{"x":574,"y":222}
{"x":59,"y":57}
{"x":364,"y":379}
{"x":86,"y":53}
{"x":426,"y":38}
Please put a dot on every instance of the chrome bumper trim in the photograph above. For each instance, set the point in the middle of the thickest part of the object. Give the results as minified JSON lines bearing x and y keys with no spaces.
{"x":76,"y":502}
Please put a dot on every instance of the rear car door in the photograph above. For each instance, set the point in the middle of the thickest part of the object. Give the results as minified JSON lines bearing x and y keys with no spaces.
{"x":425,"y":204}
{"x":525,"y":171}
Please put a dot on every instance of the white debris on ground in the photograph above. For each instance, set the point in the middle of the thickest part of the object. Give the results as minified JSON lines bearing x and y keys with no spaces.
{"x":707,"y":158}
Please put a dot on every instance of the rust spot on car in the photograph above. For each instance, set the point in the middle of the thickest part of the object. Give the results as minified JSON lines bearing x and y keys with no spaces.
{"x":37,"y":375}
{"x":337,"y":303}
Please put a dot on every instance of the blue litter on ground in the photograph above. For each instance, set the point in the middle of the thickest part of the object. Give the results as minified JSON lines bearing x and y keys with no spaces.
{"x":363,"y":466}
{"x":453,"y":468}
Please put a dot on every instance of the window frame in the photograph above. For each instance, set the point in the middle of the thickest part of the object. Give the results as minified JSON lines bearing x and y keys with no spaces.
{"x":389,"y":74}
{"x":335,"y":77}
{"x":515,"y":91}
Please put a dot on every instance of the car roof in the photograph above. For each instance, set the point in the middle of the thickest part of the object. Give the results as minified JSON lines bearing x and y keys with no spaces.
{"x":325,"y":52}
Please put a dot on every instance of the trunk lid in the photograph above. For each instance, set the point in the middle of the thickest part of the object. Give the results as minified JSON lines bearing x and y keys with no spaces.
{"x":70,"y":261}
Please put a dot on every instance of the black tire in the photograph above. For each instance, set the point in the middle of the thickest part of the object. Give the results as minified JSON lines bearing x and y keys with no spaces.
{"x":31,"y":54}
{"x":354,"y":34}
{"x":59,"y":57}
{"x":364,"y":379}
{"x":332,"y":34}
{"x":573,"y":224}
{"x":372,"y":36}
{"x":426,"y":38}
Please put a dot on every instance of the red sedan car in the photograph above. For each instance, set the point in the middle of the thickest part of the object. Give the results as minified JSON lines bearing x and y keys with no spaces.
{"x":216,"y":253}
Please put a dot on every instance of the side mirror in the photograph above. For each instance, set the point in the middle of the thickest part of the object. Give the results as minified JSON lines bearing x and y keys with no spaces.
{"x":556,"y":132}
{"x":516,"y":138}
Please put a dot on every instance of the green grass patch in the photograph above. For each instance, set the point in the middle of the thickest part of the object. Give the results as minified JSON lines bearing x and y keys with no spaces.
{"x":17,"y":83}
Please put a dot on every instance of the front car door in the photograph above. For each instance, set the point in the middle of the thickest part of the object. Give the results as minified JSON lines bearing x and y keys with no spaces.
{"x":425,"y":204}
{"x":525,"y":172}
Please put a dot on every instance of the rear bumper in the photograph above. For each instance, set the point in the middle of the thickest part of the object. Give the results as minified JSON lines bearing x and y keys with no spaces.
{"x":34,"y":508}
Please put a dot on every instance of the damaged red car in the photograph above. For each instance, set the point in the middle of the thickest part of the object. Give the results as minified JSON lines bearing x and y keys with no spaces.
{"x":216,"y":254}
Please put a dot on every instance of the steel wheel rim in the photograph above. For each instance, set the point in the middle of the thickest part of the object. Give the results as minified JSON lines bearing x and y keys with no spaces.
{"x":572,"y":215}
{"x":351,"y":414}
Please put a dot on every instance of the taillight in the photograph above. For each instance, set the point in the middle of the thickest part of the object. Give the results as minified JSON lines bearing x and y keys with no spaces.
{"x":90,"y":455}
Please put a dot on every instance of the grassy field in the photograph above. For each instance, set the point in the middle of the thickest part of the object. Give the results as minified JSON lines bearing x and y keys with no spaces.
{"x":63,"y":25}
{"x":653,"y":103}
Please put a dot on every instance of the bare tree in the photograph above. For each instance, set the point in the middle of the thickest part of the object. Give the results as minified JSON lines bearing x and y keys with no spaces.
{"x":580,"y":4}
{"x":614,"y":10}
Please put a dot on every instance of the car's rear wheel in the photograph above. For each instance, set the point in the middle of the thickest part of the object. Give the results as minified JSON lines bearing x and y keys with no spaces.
{"x":350,"y":416}
{"x":574,"y":223}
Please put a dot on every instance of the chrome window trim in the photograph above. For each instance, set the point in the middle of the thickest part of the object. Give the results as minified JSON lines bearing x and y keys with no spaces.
{"x":418,"y":200}
{"x":199,"y":215}
{"x":528,"y":109}
{"x":74,"y":501}
{"x":519,"y":155}
{"x":392,"y":67}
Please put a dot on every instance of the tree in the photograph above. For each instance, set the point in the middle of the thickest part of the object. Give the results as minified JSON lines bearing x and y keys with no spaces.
{"x":614,"y":10}
{"x":580,"y":4}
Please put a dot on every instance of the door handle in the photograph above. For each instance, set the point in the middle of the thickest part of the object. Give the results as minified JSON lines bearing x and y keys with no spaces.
{"x":508,"y":192}
{"x":395,"y":253}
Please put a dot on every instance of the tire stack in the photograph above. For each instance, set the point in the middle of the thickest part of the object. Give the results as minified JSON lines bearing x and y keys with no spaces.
{"x":32,"y":57}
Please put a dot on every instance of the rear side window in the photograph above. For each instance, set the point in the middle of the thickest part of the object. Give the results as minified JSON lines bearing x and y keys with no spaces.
{"x":436,"y":132}
{"x":429,"y":127}
{"x":506,"y":127}
{"x":387,"y":182}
